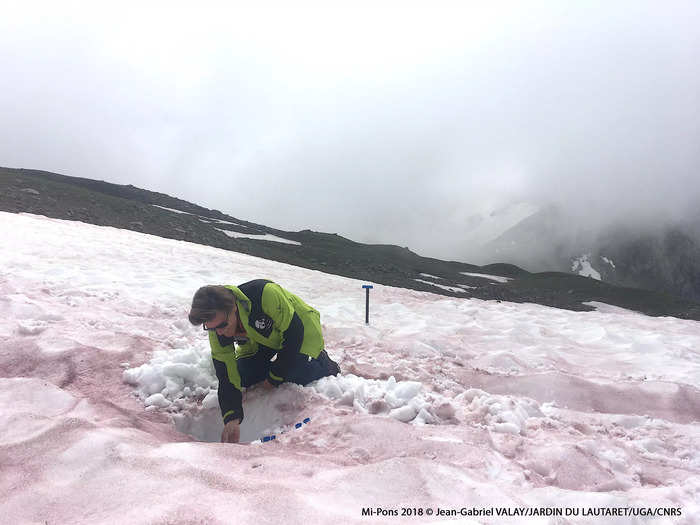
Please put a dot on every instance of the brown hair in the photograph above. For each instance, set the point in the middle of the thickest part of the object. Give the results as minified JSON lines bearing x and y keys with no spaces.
{"x":208,"y":300}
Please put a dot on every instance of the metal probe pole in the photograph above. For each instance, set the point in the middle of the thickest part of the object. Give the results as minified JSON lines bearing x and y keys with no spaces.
{"x":367,"y":287}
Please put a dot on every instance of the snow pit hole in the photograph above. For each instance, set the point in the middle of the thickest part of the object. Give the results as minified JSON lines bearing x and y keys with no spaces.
{"x":265,"y":413}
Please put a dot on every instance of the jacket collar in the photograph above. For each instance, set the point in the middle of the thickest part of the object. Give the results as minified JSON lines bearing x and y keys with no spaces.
{"x":241,"y":298}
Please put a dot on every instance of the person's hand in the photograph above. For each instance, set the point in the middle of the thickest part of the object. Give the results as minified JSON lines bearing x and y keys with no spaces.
{"x":231,"y":432}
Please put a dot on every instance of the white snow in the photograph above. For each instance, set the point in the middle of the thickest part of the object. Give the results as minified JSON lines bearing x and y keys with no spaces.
{"x":220,"y":221}
{"x":583,"y":267}
{"x":172,"y":209}
{"x":260,"y":237}
{"x":430,"y":276}
{"x":443,"y":402}
{"x":609,"y":261}
{"x":496,"y":278}
{"x":207,"y":220}
{"x":443,"y":286}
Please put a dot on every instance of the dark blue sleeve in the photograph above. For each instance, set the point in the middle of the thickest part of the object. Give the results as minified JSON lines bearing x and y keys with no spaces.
{"x":230,"y":398}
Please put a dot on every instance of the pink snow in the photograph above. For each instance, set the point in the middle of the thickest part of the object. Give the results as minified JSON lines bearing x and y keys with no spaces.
{"x":443,"y":402}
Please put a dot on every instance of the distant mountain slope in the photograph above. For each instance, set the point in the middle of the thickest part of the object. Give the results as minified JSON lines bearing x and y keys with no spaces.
{"x":663,"y":258}
{"x":490,"y":223}
{"x":668,"y":260}
{"x":132,"y":208}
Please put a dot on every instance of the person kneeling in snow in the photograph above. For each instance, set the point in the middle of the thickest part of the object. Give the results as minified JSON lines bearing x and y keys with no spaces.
{"x":250,"y":324}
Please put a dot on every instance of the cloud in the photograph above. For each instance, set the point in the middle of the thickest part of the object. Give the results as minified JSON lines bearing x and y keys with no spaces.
{"x":393,"y":124}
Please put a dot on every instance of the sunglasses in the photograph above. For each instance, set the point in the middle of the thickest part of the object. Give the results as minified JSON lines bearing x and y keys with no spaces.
{"x":222,"y":324}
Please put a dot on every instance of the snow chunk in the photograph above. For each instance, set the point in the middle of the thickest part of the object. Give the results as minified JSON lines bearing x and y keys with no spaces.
{"x":503,"y":414}
{"x":211,"y":401}
{"x":175,"y":374}
{"x":614,"y":459}
{"x":405,"y":413}
{"x":157,"y":400}
{"x":403,"y":400}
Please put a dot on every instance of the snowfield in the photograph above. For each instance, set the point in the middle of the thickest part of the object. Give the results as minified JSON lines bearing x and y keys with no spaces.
{"x":512,"y":412}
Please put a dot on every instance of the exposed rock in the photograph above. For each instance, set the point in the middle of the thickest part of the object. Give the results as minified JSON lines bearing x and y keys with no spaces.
{"x":127,"y":207}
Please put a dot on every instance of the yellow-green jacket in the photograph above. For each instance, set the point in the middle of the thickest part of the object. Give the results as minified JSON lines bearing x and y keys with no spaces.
{"x":272,"y":317}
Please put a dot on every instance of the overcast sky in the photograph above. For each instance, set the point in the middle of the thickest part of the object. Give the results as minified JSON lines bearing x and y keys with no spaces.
{"x":388,"y":124}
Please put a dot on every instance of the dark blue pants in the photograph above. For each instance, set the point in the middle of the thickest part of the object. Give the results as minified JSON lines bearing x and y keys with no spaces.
{"x":256,"y":368}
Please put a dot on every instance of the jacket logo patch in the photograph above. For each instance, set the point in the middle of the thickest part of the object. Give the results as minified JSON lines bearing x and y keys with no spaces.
{"x":263,"y":323}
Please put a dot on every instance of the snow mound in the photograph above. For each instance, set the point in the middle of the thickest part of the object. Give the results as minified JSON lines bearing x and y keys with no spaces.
{"x":31,"y":327}
{"x":174,"y":378}
{"x":183,"y":383}
{"x":402,"y":400}
{"x":30,"y":406}
{"x":503,"y":414}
